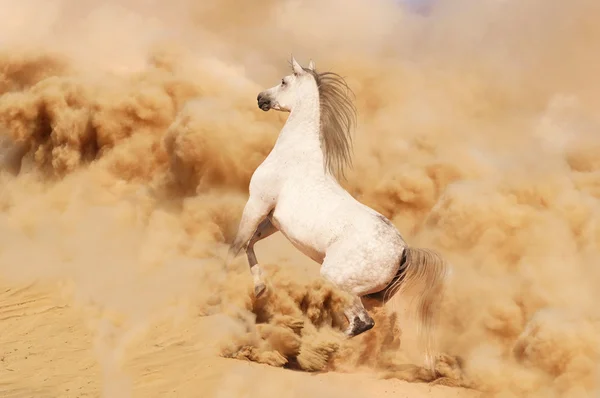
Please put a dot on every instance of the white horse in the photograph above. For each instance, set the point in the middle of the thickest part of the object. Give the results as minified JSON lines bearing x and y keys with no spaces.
{"x":295,"y":191}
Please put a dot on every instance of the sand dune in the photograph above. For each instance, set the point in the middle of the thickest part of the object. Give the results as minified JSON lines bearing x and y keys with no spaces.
{"x":129,"y":132}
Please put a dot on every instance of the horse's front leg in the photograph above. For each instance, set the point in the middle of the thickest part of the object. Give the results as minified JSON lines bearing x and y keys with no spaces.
{"x":264,"y":230}
{"x":254,"y":213}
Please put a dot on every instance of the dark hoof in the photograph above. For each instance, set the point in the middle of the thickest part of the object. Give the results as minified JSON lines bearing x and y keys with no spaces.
{"x":359,"y":326}
{"x":259,"y":290}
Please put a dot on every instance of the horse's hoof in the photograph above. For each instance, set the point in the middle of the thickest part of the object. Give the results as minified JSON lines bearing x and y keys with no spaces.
{"x":259,"y":290}
{"x":359,"y":326}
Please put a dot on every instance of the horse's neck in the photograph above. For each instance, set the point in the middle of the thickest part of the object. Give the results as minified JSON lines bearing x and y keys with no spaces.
{"x":300,"y":136}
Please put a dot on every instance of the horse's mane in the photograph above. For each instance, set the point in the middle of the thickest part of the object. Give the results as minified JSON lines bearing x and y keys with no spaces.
{"x":338,"y":117}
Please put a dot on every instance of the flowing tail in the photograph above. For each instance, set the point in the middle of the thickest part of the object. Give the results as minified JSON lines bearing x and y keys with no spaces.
{"x":424,"y":272}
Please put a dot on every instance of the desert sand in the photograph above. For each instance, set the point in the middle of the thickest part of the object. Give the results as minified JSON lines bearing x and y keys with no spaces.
{"x":128,"y":134}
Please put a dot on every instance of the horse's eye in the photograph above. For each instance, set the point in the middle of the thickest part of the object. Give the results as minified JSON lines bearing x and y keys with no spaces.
{"x":282,"y":82}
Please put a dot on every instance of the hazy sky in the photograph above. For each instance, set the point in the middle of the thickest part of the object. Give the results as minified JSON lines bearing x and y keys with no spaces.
{"x":420,"y":6}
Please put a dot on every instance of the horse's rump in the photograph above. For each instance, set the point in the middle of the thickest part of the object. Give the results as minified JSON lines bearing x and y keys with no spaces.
{"x":387,"y":292}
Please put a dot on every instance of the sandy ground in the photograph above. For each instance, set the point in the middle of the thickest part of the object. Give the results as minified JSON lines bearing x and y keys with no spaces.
{"x":49,"y":352}
{"x":48,"y":340}
{"x":128,"y":134}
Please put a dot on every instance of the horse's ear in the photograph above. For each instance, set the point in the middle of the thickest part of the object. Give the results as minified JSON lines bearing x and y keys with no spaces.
{"x":311,"y":65}
{"x":296,"y":67}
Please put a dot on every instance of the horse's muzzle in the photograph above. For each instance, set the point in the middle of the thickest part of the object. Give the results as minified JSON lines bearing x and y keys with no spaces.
{"x":264,"y":103}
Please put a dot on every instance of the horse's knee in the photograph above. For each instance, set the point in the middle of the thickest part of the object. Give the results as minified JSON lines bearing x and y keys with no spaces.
{"x":345,"y":281}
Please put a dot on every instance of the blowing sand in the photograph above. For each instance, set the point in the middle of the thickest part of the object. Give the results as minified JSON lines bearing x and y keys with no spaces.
{"x":129,"y":131}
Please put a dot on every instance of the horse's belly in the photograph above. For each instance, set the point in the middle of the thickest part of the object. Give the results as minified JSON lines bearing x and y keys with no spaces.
{"x":306,"y":238}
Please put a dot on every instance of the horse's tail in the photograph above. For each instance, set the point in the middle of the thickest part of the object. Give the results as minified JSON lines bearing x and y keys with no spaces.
{"x":423,"y":271}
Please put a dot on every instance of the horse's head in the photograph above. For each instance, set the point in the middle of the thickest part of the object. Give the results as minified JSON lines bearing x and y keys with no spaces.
{"x":285,"y":95}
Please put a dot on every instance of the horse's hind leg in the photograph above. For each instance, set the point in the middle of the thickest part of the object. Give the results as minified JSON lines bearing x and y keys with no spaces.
{"x":358,"y":318}
{"x":264,"y":230}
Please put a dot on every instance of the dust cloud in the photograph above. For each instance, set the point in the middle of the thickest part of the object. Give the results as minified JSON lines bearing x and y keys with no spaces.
{"x":129,"y":132}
